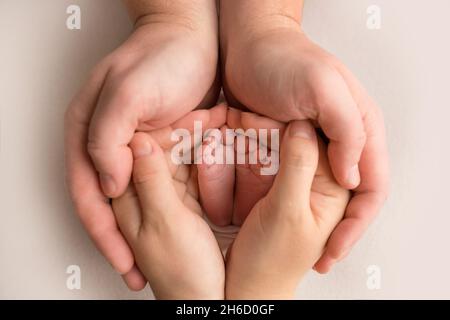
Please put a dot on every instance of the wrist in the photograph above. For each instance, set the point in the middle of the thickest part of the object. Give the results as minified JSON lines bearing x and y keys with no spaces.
{"x":243,"y":21}
{"x":157,"y":21}
{"x":198,"y":16}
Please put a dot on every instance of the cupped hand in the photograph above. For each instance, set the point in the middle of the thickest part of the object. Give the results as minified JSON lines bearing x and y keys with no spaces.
{"x":161,"y":218}
{"x":287,"y":230}
{"x":159,"y":74}
{"x":276,"y":71}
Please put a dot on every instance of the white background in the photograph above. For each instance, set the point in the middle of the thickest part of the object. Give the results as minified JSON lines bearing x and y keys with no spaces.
{"x":405,"y":65}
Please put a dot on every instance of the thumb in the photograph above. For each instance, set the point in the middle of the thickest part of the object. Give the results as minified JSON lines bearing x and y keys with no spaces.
{"x":111,"y":129}
{"x":152,"y":178}
{"x":298,"y":163}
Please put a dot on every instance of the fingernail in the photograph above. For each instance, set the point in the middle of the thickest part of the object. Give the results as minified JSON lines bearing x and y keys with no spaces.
{"x":353,"y":176}
{"x":108,"y":184}
{"x":142,"y":150}
{"x":301,"y":129}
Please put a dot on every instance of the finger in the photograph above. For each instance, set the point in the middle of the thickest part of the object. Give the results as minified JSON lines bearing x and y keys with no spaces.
{"x":298,"y":164}
{"x":89,"y":201}
{"x":359,"y":214}
{"x":152,"y":179}
{"x":113,"y":125}
{"x":368,"y":198}
{"x":250,"y":120}
{"x":374,"y":162}
{"x":237,"y":119}
{"x":211,"y":118}
{"x":134,"y":279}
{"x":342,"y":122}
{"x":370,"y":195}
{"x":128,"y":213}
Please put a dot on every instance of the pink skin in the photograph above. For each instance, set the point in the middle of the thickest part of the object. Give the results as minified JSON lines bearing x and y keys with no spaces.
{"x":251,"y":186}
{"x":228,"y":192}
{"x":216,"y":188}
{"x":271,"y":67}
{"x":168,"y":67}
{"x":153,"y":259}
{"x":286,"y":231}
{"x":165,"y":69}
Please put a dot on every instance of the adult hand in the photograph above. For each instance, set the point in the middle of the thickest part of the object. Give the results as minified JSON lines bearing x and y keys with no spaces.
{"x":161,"y":218}
{"x":287,"y":230}
{"x":272,"y":68}
{"x":166,"y":68}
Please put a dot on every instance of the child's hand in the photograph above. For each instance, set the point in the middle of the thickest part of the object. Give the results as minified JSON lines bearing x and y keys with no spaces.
{"x":287,"y":230}
{"x":161,"y":218}
{"x":165,"y":69}
{"x":272,"y":68}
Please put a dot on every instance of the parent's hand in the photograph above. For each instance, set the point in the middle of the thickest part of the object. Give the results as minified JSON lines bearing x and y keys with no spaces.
{"x":287,"y":230}
{"x":166,"y":68}
{"x":161,"y":218}
{"x":272,"y":68}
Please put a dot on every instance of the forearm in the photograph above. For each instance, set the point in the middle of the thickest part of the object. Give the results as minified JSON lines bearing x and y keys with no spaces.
{"x":245,"y":18}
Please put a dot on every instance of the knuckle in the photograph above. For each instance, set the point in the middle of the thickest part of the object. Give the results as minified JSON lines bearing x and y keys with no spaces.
{"x":144,"y":173}
{"x":95,"y":148}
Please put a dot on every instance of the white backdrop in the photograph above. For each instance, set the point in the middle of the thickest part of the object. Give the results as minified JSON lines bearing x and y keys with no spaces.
{"x":405,"y":65}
